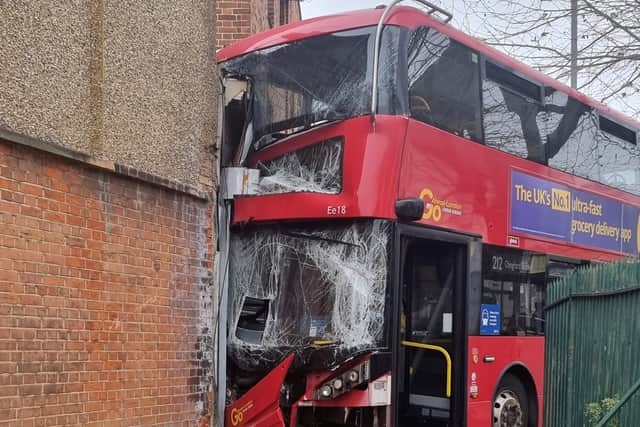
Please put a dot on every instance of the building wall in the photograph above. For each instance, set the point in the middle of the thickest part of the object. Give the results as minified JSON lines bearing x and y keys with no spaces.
{"x":233,"y":21}
{"x":105,"y":296}
{"x":237,"y":19}
{"x":128,"y":81}
{"x":107,"y":152}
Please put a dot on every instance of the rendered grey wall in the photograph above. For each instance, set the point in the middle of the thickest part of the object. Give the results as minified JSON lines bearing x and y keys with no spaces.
{"x":132,"y":82}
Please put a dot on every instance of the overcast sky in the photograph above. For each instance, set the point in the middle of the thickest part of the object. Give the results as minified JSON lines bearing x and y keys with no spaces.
{"x":470,"y":23}
{"x":311,"y":8}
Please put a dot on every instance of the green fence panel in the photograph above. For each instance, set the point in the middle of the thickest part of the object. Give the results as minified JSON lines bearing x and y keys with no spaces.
{"x":592,"y":351}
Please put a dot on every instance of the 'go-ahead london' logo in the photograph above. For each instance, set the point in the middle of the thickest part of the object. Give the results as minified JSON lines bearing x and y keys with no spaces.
{"x":434,"y":207}
{"x":430,"y":210}
{"x":237,"y":414}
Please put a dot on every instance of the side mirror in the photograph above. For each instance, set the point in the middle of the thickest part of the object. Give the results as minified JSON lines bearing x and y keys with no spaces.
{"x":410,"y":209}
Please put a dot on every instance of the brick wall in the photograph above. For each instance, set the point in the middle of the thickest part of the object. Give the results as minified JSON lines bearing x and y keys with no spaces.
{"x":105,"y":297}
{"x":237,"y":19}
{"x":105,"y":270}
{"x":233,"y":21}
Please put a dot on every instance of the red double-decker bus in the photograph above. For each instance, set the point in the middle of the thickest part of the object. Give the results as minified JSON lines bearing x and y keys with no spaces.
{"x":394,"y":198}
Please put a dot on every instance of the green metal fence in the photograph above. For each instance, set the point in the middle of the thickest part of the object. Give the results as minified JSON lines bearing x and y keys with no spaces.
{"x":592,"y":355}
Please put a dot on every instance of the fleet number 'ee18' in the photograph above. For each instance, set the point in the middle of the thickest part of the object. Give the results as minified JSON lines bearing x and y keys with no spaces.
{"x":337,"y":210}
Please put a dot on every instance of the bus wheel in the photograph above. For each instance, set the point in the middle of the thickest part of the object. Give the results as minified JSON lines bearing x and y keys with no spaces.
{"x":510,"y":405}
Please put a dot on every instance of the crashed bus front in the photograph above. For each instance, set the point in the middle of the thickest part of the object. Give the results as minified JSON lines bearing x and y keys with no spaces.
{"x":306,"y":293}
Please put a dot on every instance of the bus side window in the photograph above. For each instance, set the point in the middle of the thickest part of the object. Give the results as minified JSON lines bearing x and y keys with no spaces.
{"x":515,"y":280}
{"x":531,"y":315}
{"x":444,"y":83}
{"x":571,"y":131}
{"x":619,"y":156}
{"x":510,"y":109}
{"x":538,"y":123}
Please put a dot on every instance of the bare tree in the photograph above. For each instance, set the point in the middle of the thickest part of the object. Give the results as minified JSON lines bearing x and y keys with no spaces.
{"x":538,"y":32}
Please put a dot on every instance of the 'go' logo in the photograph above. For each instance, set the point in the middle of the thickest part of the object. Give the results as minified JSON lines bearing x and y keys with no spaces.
{"x":431,"y":211}
{"x":236,"y":416}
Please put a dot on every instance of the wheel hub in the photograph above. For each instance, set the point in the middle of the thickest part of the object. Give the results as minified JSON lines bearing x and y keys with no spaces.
{"x":507,"y":410}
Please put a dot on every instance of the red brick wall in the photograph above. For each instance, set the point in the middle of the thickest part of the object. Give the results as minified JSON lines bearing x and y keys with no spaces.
{"x":237,"y":19}
{"x":105,"y":306}
{"x":233,"y":21}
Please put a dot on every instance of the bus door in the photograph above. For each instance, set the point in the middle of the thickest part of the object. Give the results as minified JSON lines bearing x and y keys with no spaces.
{"x":430,"y":360}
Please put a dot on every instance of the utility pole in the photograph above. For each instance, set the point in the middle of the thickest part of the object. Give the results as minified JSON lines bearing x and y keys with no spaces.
{"x":574,"y":44}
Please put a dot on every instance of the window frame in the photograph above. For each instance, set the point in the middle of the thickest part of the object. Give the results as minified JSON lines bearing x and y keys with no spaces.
{"x":616,"y":124}
{"x":511,"y":88}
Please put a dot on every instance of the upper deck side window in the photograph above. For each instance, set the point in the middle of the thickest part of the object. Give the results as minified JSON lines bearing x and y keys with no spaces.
{"x":616,"y":129}
{"x":444,"y":83}
{"x":524,"y":118}
{"x":480,"y":99}
{"x":510,"y":80}
{"x":539,"y":123}
{"x":619,"y":155}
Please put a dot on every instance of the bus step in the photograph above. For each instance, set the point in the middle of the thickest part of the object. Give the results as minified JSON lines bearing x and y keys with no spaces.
{"x":431,"y":406}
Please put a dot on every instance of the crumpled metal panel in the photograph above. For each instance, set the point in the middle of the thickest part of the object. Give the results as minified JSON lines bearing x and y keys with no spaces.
{"x":326,"y":284}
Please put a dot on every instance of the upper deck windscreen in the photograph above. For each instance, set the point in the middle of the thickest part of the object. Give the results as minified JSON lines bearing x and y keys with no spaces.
{"x":310,"y":81}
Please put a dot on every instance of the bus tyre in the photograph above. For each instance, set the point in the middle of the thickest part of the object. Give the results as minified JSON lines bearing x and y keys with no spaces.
{"x":510,"y":404}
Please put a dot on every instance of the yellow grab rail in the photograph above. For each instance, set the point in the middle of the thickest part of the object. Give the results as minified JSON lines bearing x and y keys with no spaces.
{"x":439,"y":349}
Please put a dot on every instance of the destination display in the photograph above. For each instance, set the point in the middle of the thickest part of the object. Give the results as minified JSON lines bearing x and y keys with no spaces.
{"x":549,"y":209}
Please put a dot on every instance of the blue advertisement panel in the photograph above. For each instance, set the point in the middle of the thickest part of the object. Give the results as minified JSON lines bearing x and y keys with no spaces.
{"x":549,"y":209}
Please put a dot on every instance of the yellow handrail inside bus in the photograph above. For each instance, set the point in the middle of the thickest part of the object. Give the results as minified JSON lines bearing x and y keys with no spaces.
{"x":439,"y":349}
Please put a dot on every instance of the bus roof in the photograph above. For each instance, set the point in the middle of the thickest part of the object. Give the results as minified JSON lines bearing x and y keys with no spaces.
{"x":409,"y":17}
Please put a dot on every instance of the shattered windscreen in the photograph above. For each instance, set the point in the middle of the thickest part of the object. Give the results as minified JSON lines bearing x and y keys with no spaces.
{"x":297,"y":85}
{"x":296,"y":289}
{"x":317,"y":169}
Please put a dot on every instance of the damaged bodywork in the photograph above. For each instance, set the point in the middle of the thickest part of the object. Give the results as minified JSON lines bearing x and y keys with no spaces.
{"x":278,"y":92}
{"x":294,"y":289}
{"x":316,"y":290}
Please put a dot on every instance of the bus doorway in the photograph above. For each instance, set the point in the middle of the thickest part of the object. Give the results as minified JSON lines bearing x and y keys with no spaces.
{"x":432,"y":334}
